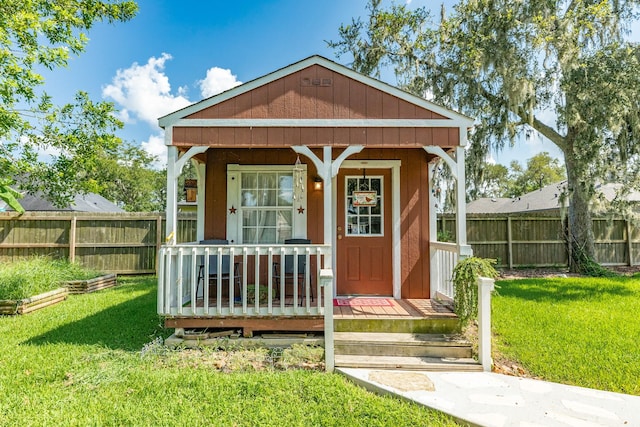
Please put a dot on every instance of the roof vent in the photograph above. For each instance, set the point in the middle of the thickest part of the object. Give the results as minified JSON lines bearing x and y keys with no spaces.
{"x":308,"y":81}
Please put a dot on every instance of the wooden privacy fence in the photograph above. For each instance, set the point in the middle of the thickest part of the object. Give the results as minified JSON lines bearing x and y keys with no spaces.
{"x":539,"y":240}
{"x":125,"y":243}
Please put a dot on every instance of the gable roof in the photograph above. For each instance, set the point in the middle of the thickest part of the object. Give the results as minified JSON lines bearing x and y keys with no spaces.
{"x":457,"y":118}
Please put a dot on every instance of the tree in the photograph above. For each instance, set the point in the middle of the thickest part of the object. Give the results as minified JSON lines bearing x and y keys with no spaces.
{"x":50,"y":148}
{"x":541,"y":170}
{"x":126,"y":179}
{"x":492,"y":182}
{"x":510,"y":64}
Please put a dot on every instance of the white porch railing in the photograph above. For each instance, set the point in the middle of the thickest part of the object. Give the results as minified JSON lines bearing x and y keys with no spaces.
{"x":444,"y":257}
{"x":184,"y":290}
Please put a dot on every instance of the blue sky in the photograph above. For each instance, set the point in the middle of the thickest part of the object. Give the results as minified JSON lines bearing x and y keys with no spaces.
{"x":174,"y":53}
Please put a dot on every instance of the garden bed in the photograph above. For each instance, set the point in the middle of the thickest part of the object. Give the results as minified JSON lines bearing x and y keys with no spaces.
{"x":27,"y":305}
{"x":91,"y":285}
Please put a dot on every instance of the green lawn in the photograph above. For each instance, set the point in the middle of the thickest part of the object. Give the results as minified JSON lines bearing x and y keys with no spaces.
{"x":88,"y":361}
{"x":580,"y":331}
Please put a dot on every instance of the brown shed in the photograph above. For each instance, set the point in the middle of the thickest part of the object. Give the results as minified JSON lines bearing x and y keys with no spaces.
{"x":319,"y":153}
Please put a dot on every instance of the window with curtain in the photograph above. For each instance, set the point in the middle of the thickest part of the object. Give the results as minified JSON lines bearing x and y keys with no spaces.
{"x":267,"y":203}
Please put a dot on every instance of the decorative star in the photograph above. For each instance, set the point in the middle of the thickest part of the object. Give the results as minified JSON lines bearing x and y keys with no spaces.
{"x":232,"y":210}
{"x":300,"y":210}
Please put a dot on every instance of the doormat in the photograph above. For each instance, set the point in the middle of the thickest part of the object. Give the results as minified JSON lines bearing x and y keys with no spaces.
{"x":371,"y":302}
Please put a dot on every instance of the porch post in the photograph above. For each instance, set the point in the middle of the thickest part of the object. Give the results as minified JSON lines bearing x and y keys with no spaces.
{"x":326,"y":282}
{"x":461,"y":200}
{"x":485,"y":287}
{"x":464,"y":250}
{"x":433,"y":232}
{"x":172,"y":188}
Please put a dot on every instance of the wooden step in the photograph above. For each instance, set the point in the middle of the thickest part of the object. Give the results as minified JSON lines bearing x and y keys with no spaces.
{"x":401,"y":344}
{"x":432,"y":364}
{"x":439,"y":325}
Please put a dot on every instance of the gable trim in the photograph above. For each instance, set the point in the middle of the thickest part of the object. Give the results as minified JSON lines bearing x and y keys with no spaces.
{"x":172,"y":118}
{"x":321,"y":123}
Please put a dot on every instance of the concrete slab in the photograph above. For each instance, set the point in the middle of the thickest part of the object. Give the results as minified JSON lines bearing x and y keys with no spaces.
{"x":495,"y":400}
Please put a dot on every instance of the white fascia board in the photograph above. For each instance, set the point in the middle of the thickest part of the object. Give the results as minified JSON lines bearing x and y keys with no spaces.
{"x":170,"y":119}
{"x":321,"y":123}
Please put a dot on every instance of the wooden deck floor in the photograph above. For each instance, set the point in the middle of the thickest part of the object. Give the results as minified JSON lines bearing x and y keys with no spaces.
{"x":399,"y":309}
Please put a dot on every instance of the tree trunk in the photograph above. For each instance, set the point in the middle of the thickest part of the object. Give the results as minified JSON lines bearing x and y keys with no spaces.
{"x":580,"y":231}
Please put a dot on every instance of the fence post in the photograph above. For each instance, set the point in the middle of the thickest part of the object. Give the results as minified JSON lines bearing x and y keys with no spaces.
{"x":72,"y":239}
{"x":325,"y":279}
{"x":158,"y":241}
{"x":629,"y":243}
{"x":510,"y":241}
{"x":485,"y":287}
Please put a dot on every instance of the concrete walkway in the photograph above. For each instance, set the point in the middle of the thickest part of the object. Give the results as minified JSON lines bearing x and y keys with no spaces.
{"x":488,"y":399}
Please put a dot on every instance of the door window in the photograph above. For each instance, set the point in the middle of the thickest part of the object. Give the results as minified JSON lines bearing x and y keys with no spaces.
{"x":364,"y":206}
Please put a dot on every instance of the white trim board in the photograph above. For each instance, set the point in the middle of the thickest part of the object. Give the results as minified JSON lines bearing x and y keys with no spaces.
{"x":321,"y":123}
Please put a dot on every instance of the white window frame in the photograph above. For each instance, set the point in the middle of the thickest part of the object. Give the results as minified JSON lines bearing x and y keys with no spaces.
{"x":234,"y":201}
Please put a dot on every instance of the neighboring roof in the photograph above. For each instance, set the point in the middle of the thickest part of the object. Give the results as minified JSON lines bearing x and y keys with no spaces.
{"x":545,"y":199}
{"x":172,"y":118}
{"x":82,"y":203}
{"x":609,"y":192}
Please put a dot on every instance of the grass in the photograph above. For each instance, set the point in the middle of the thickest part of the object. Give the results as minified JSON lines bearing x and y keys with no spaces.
{"x":95,"y":360}
{"x":579,"y":331}
{"x":33,"y":276}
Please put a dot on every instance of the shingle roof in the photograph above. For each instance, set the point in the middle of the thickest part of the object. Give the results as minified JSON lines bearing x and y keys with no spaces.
{"x":82,"y":203}
{"x":545,"y":199}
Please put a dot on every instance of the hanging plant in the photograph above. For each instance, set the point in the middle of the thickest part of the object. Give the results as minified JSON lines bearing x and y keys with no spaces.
{"x":465,"y":282}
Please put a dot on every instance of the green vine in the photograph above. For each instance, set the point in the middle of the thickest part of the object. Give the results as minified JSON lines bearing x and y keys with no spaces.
{"x":465,"y":282}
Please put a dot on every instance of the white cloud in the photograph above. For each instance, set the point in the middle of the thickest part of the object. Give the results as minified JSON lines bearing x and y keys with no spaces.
{"x":143,"y":91}
{"x":217,"y":80}
{"x":155,"y":147}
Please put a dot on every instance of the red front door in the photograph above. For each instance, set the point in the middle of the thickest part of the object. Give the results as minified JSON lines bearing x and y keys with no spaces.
{"x":364,"y":253}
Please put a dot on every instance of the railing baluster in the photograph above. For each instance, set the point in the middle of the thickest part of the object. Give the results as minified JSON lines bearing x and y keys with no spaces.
{"x":256,"y":256}
{"x":307,"y":281}
{"x":180,"y":264}
{"x":193,"y":282}
{"x":295,"y":279}
{"x":205,"y":281}
{"x":282,"y":267}
{"x":270,"y":280}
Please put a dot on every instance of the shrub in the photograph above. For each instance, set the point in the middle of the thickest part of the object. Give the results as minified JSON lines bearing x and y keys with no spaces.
{"x":465,"y":282}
